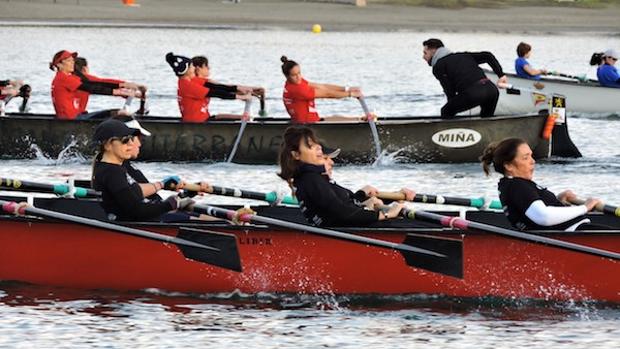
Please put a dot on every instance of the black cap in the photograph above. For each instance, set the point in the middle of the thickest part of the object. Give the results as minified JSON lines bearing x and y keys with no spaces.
{"x":179,"y":64}
{"x":112,"y":128}
{"x":330,"y":152}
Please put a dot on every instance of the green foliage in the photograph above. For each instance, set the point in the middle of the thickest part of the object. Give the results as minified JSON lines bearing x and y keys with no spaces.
{"x":456,"y":4}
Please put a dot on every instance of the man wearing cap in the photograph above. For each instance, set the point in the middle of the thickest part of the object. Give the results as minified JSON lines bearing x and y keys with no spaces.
{"x":607,"y":73}
{"x":192,"y":96}
{"x":462,"y":80}
{"x":66,"y":84}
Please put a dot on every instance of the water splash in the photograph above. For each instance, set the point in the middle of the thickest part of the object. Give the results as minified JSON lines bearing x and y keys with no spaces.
{"x":67,"y":155}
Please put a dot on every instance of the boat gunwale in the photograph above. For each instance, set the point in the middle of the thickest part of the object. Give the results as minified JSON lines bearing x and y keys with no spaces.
{"x":355,"y":230}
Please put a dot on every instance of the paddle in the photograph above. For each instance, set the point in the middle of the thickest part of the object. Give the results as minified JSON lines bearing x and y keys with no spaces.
{"x":24,"y":93}
{"x":463,"y":224}
{"x":143,"y":109}
{"x":191,"y":242}
{"x":244,"y":122}
{"x":580,"y":78}
{"x":373,"y":127}
{"x":59,"y":189}
{"x":447,"y":258}
{"x":443,"y":200}
{"x":271,"y":197}
{"x":262,"y":112}
{"x":601,"y":207}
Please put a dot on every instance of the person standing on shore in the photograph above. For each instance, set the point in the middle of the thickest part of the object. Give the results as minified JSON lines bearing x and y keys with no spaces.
{"x":192,"y":96}
{"x":299,"y":95}
{"x":607,"y":73}
{"x":462,"y":80}
{"x":523,"y":68}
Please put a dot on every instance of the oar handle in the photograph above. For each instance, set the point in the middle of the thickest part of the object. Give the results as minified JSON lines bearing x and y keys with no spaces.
{"x":373,"y":127}
{"x":271,"y":197}
{"x":441,"y":200}
{"x":601,"y":206}
{"x":396,"y":196}
{"x":365,"y":107}
{"x":246,"y":109}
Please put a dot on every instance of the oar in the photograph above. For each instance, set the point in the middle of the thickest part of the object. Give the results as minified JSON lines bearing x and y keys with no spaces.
{"x":581,"y":78}
{"x":601,"y":207}
{"x":271,"y":197}
{"x":24,"y":93}
{"x":262,"y":112}
{"x":463,"y":224}
{"x":59,"y":189}
{"x":191,"y":243}
{"x":244,"y":122}
{"x":447,"y":257}
{"x":373,"y":127}
{"x":443,"y":200}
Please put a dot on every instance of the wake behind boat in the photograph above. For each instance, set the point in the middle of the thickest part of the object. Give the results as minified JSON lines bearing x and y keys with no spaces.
{"x":582,"y":97}
{"x":415,"y":139}
{"x":50,"y":252}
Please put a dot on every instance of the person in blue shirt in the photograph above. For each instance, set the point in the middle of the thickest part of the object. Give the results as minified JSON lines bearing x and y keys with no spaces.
{"x":523,"y":67}
{"x":608,"y":74}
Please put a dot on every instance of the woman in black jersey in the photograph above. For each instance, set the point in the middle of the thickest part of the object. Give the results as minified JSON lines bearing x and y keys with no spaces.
{"x":527,"y":205}
{"x":323,"y":202}
{"x":149,"y":189}
{"x":122,"y":197}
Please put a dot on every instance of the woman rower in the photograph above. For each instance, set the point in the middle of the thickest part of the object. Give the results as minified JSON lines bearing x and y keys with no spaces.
{"x":192,"y":96}
{"x":527,"y":205}
{"x":299,"y":95}
{"x":322,"y":201}
{"x":66,"y":84}
{"x":202,"y":70}
{"x":607,"y":73}
{"x":149,"y":189}
{"x":83,"y":72}
{"x":122,"y":199}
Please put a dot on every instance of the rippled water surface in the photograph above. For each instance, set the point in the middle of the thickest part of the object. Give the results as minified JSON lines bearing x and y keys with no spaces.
{"x":397,"y":82}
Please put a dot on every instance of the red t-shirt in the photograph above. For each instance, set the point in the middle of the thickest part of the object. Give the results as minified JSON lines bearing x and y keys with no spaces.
{"x":299,"y":102}
{"x":82,"y":96}
{"x":191,"y":96}
{"x":64,"y":99}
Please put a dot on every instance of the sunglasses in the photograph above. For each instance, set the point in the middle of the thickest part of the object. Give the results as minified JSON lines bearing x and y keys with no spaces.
{"x":123,"y":140}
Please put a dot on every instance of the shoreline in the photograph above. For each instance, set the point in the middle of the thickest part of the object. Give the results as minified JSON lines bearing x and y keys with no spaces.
{"x":296,"y":15}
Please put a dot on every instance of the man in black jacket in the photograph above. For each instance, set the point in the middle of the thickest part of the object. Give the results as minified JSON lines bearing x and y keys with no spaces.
{"x":463,"y":82}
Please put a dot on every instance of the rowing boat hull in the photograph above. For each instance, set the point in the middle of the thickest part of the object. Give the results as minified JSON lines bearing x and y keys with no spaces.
{"x":66,"y":255}
{"x":416,"y":139}
{"x":582,"y":98}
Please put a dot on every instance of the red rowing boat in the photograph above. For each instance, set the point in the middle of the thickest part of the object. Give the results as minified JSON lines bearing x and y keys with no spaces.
{"x":47,"y":252}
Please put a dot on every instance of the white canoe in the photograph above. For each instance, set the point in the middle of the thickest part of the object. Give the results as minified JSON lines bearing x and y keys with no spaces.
{"x":581,"y":97}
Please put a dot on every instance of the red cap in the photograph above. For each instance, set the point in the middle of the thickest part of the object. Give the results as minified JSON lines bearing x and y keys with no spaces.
{"x":60,"y":56}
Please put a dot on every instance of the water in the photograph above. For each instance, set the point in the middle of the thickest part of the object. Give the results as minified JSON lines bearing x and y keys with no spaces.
{"x":396,"y":81}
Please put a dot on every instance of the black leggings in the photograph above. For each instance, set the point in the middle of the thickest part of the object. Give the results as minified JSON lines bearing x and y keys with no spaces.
{"x":593,"y":226}
{"x":483,"y":93}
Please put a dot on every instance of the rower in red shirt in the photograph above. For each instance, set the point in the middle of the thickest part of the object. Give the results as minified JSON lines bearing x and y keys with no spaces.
{"x":82,"y":71}
{"x":66,"y":84}
{"x":192,"y":95}
{"x":299,"y":95}
{"x":218,"y":90}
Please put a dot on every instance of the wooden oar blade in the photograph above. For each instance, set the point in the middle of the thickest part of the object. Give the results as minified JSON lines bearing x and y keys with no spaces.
{"x":451,"y":265}
{"x":228,"y":255}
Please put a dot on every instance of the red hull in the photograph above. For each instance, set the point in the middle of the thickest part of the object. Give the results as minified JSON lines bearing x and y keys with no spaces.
{"x":283,"y":261}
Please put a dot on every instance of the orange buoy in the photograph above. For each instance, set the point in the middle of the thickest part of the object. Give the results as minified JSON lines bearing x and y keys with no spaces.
{"x":546,"y":133}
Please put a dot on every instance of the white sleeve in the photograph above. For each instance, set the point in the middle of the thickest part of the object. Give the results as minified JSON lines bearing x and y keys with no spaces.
{"x":544,"y":215}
